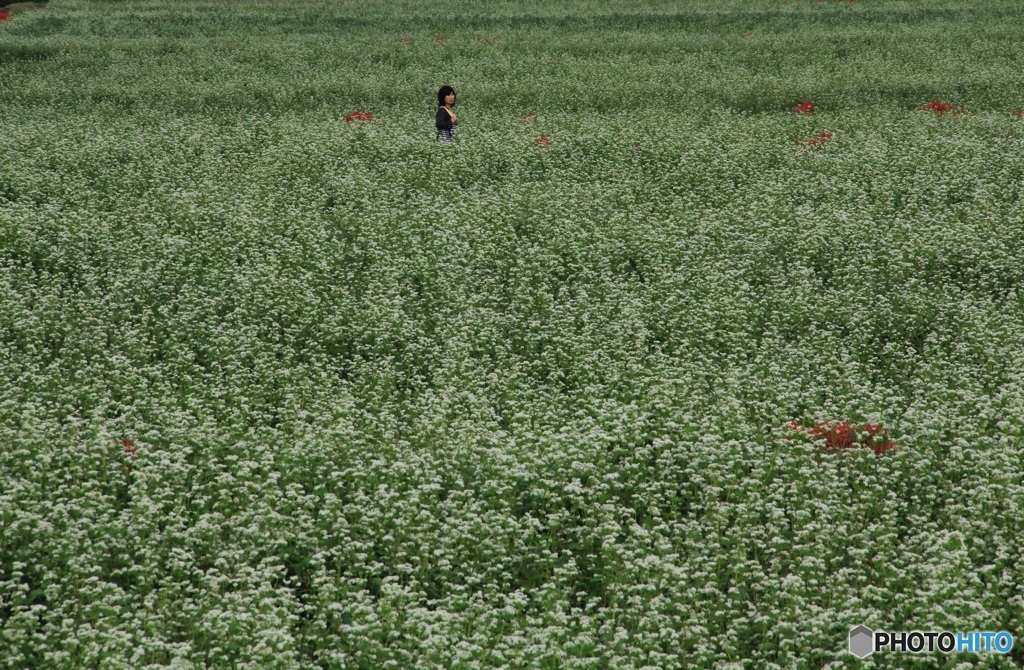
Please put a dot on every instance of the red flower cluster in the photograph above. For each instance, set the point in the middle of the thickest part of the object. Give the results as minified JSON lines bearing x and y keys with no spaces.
{"x":440,"y":38}
{"x":1019,"y":113}
{"x":406,"y":40}
{"x":745,"y":35}
{"x":805,"y":107}
{"x":359,"y":116}
{"x":4,"y":15}
{"x":847,"y":435}
{"x":940,"y":107}
{"x":528,"y":117}
{"x":544,"y":142}
{"x":129,"y":451}
{"x":823,"y":136}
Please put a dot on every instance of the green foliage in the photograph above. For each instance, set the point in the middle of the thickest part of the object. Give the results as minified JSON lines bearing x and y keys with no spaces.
{"x":282,"y":391}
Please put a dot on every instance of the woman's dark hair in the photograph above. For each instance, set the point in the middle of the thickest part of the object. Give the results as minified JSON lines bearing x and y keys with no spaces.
{"x":444,"y":93}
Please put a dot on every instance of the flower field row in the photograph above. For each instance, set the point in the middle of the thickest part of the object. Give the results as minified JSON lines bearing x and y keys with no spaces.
{"x":646,"y":369}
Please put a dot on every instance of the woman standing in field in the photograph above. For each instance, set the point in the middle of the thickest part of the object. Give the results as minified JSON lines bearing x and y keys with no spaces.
{"x":445,"y":120}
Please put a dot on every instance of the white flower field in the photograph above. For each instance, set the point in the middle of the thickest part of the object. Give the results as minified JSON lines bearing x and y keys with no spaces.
{"x":702,"y":343}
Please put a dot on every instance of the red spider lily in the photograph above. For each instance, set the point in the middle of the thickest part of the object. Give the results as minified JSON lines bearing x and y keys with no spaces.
{"x":745,"y":35}
{"x":1019,"y":113}
{"x":823,"y":136}
{"x":940,"y":107}
{"x":406,"y":40}
{"x":544,"y":142}
{"x":358,"y":116}
{"x":478,"y":38}
{"x":528,"y":117}
{"x":129,"y":449}
{"x":440,"y":38}
{"x":847,"y":435}
{"x":4,"y":15}
{"x":805,"y":107}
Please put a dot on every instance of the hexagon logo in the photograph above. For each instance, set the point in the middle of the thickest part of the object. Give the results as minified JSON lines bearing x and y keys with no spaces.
{"x":862,"y":641}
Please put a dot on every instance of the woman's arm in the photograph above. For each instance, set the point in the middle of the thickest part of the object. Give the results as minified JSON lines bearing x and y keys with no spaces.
{"x":443,"y":120}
